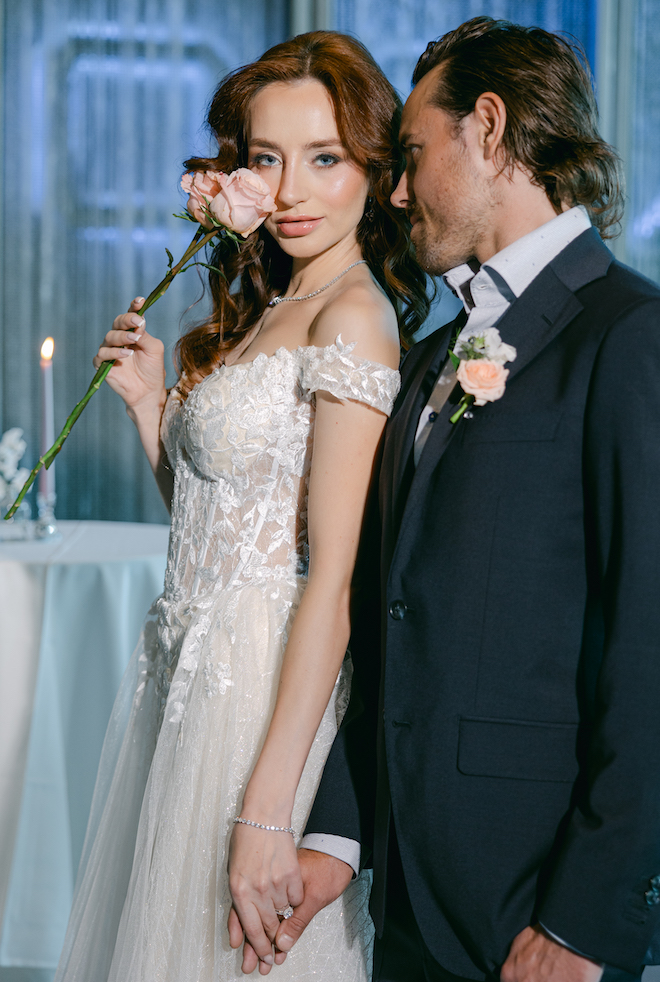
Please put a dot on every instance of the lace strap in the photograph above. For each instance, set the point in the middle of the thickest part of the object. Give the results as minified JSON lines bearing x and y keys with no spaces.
{"x":336,"y":370}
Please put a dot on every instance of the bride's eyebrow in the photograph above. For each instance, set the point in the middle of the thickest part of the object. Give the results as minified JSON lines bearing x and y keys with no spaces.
{"x":320,"y":144}
{"x":266,"y":144}
{"x":315,"y":145}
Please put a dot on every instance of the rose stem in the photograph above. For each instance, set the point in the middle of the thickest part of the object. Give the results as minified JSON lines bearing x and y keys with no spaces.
{"x":200,"y":239}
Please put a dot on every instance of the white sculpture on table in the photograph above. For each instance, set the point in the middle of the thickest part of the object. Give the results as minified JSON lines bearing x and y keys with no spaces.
{"x":12,"y":479}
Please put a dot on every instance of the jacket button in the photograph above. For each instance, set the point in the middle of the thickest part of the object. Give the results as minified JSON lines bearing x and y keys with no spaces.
{"x":397,"y":610}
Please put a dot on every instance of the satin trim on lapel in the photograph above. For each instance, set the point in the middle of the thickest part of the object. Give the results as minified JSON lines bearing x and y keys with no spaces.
{"x":403,"y":427}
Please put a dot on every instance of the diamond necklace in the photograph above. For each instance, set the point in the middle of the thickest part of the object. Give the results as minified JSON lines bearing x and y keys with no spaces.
{"x":308,"y":296}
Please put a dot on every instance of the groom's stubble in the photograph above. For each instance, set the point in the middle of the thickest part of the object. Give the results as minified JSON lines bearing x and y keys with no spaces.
{"x":449,"y":233}
{"x":452,"y":204}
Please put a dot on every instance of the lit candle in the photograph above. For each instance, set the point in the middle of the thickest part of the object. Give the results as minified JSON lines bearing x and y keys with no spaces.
{"x":47,"y":477}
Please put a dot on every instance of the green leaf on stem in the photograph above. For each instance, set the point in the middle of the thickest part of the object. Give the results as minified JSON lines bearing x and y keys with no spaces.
{"x":207,"y":266}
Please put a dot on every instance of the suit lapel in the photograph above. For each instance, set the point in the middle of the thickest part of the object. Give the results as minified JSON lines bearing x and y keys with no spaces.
{"x":549,"y":304}
{"x":546,"y":307}
{"x":396,"y":471}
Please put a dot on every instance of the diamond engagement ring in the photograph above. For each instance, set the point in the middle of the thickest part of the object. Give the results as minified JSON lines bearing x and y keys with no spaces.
{"x":286,"y":913}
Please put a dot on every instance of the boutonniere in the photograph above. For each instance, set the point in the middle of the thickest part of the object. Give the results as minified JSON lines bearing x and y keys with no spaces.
{"x":479,"y":362}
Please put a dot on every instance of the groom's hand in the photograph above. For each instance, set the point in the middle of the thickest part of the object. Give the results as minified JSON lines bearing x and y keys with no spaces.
{"x":535,"y":957}
{"x":324,"y":879}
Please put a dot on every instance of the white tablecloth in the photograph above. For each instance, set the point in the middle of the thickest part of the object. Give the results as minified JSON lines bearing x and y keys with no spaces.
{"x":70,"y":616}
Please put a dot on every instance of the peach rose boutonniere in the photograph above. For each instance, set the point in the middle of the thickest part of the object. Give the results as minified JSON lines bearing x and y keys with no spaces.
{"x":222,"y":206}
{"x":479,"y":362}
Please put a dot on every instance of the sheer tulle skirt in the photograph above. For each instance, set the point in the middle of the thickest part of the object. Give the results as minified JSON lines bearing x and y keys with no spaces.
{"x":152,"y":897}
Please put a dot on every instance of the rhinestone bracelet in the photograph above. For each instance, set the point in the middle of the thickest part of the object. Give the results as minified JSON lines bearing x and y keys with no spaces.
{"x":257,"y":825}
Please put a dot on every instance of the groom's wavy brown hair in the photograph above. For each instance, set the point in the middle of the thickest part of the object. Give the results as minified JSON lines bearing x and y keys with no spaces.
{"x":367,"y":111}
{"x":552,"y":117}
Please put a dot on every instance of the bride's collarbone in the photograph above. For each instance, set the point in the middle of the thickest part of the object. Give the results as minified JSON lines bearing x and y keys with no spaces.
{"x":280,"y":328}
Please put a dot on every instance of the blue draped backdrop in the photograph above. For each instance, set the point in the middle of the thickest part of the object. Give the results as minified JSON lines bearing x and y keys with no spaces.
{"x":103,"y":100}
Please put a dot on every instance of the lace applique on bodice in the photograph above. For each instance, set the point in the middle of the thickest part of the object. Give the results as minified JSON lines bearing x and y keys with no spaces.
{"x":241,"y":449}
{"x":153,"y":899}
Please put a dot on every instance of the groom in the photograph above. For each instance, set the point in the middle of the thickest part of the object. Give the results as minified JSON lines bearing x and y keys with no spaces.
{"x":499,"y":765}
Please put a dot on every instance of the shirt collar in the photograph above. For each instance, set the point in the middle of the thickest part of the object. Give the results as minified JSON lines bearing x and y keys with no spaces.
{"x":508,"y":273}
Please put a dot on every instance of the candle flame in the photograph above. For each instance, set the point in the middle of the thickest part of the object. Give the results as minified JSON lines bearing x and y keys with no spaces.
{"x":47,"y":349}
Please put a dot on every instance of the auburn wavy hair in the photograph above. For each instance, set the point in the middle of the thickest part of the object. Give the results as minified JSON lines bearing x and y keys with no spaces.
{"x":552,"y":117}
{"x":367,"y":111}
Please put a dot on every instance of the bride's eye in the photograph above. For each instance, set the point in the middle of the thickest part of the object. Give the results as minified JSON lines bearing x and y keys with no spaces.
{"x":264,"y":160}
{"x":326,"y":159}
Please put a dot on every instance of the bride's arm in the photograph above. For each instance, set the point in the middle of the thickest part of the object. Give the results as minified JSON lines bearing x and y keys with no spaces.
{"x":264,"y":872}
{"x":138,"y":376}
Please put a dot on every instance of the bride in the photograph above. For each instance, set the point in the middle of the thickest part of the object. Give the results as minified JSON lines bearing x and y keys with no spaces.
{"x":264,"y":452}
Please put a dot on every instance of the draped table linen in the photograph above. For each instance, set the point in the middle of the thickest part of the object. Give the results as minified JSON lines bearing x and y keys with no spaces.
{"x":70,"y":616}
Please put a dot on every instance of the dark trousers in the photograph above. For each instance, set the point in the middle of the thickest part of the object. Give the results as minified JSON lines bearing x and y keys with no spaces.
{"x":401,"y":954}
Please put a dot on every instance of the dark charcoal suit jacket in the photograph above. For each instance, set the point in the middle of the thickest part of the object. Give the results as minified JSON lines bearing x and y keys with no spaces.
{"x":506,"y":701}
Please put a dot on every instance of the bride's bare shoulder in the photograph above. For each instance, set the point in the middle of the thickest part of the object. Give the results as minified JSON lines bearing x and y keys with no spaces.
{"x":361,"y":313}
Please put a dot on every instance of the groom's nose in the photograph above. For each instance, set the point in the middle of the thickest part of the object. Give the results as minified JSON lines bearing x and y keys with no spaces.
{"x":400,"y":197}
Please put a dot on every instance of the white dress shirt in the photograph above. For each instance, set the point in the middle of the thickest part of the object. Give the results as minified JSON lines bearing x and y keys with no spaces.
{"x":486,"y":294}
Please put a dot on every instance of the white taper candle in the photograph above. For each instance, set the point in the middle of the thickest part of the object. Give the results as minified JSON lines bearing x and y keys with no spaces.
{"x":47,"y":477}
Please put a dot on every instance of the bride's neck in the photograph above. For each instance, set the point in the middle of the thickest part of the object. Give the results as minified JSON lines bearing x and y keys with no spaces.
{"x":308,"y":275}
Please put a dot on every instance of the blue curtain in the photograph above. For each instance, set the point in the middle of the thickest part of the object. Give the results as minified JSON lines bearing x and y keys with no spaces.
{"x":397,"y":31}
{"x":641,"y":239}
{"x":103,"y":100}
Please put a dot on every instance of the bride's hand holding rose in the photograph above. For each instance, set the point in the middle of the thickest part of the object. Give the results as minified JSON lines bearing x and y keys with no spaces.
{"x":138,"y":374}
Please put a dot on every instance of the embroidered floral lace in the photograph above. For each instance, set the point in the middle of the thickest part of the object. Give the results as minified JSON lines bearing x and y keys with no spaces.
{"x":152,"y":897}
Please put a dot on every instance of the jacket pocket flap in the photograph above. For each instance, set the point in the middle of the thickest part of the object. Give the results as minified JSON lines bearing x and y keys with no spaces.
{"x":517,"y":749}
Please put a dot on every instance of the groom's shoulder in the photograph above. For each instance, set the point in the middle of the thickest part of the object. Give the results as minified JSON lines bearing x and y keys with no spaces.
{"x":632,"y":301}
{"x":588,"y":265}
{"x":614,"y":297}
{"x":630,"y":285}
{"x":623,"y":310}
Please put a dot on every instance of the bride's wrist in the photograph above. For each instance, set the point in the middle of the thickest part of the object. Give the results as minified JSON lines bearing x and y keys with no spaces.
{"x":148,"y":408}
{"x":266,"y":811}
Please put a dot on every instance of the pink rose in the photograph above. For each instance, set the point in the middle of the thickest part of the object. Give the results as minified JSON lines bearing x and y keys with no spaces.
{"x":482,"y":378}
{"x":202,"y":186}
{"x":244,"y":201}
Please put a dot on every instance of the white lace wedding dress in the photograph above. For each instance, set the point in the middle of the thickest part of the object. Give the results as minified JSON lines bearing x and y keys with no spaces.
{"x":152,"y":897}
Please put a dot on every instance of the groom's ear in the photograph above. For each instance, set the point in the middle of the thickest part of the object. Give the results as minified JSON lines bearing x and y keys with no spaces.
{"x":489,"y":120}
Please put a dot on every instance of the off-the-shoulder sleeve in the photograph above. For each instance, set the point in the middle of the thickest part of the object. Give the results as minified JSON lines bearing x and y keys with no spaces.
{"x":336,"y":370}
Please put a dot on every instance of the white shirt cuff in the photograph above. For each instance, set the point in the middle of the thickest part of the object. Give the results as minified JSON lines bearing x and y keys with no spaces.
{"x":565,"y":944}
{"x":348,"y":850}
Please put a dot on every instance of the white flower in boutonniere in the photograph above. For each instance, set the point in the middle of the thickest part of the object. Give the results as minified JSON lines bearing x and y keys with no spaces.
{"x":479,"y":361}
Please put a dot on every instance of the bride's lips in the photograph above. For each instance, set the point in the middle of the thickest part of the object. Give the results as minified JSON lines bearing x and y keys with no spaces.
{"x":297,"y":225}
